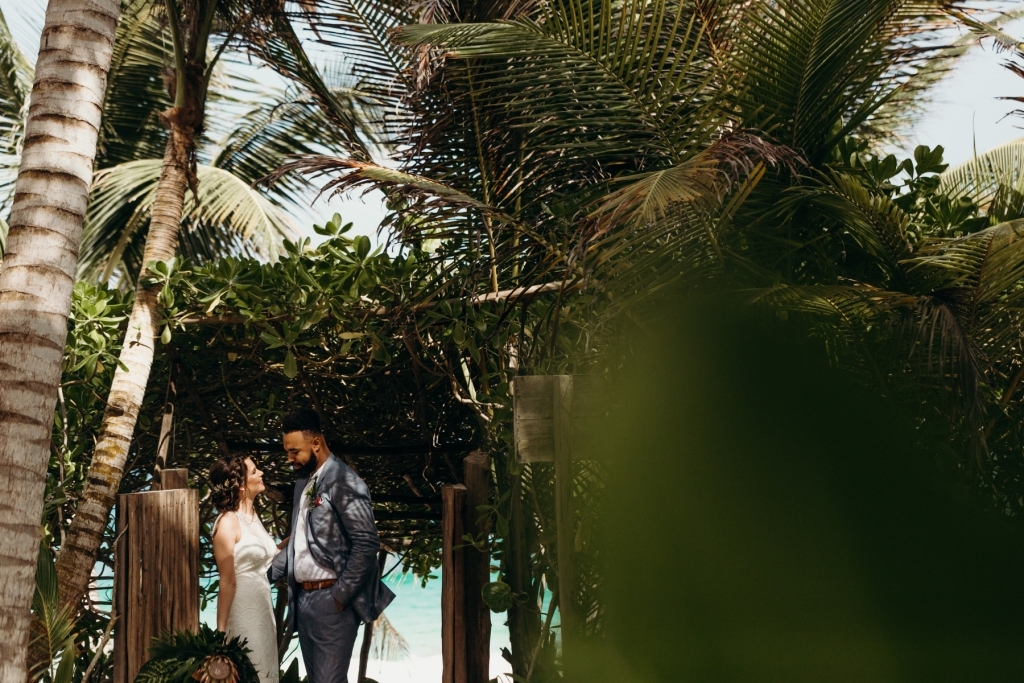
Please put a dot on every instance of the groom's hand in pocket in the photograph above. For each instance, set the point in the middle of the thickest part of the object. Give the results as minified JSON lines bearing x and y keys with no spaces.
{"x":341,"y":607}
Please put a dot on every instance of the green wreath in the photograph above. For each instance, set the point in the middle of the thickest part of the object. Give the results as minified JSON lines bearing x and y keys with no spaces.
{"x":206,"y":656}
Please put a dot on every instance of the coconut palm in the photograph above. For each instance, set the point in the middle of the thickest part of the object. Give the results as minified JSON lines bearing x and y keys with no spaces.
{"x":199,"y":33}
{"x":228,"y":216}
{"x":37,"y":277}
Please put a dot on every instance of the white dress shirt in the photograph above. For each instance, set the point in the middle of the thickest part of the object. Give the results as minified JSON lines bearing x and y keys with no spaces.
{"x":306,"y":568}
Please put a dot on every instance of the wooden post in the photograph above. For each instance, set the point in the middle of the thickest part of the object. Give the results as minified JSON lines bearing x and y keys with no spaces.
{"x":477,"y":571}
{"x":556,"y":419}
{"x":564,"y":517}
{"x":453,"y":597}
{"x":171,"y":478}
{"x":156,"y":575}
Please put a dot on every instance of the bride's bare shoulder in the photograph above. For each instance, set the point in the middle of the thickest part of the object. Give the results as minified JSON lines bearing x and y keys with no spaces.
{"x":226,"y":528}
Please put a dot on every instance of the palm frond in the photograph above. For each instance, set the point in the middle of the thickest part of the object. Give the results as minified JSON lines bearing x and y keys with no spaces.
{"x":874,"y":221}
{"x":987,"y":29}
{"x":929,"y":334}
{"x":361,"y":28}
{"x":988,"y":264}
{"x":703,"y":179}
{"x":52,"y":640}
{"x":981,"y":177}
{"x":388,"y":644}
{"x":818,"y":70}
{"x":593,"y":79}
{"x":280,"y":125}
{"x":175,"y":657}
{"x":227,"y":212}
{"x":136,"y":92}
{"x":281,"y":48}
{"x":352,"y":174}
{"x":16,"y":75}
{"x":15,"y":85}
{"x":648,"y":196}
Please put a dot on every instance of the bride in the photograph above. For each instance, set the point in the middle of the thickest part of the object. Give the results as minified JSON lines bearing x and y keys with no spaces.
{"x":244,"y":550}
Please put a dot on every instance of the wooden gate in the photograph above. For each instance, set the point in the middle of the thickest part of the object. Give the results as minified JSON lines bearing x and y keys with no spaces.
{"x":156,"y":572}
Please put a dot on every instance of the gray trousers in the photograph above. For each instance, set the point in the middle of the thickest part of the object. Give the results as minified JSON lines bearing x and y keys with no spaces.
{"x":326,"y":636}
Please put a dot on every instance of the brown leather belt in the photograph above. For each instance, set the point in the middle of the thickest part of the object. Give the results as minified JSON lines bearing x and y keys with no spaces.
{"x":317,"y":585}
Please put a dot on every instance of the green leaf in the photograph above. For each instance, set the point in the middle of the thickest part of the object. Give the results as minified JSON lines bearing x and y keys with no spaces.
{"x":227,"y":210}
{"x":271,"y":339}
{"x":929,"y":160}
{"x":290,"y":367}
{"x":362,"y":245}
{"x":66,"y":669}
{"x":497,"y":595}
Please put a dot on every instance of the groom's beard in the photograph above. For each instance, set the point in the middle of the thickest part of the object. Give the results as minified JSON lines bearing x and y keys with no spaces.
{"x":307,"y":468}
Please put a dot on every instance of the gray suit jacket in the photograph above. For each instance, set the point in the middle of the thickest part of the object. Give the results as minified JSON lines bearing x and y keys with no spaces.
{"x":342,"y":535}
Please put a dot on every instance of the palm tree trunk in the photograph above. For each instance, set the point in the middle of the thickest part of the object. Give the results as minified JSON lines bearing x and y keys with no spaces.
{"x":36,"y":282}
{"x":78,"y":555}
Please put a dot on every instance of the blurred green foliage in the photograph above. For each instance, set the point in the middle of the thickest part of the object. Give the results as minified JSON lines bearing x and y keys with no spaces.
{"x":769,"y":519}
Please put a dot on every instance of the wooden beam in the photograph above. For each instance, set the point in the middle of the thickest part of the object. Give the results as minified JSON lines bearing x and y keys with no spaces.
{"x":533,"y":423}
{"x":506,"y":294}
{"x":408,"y":500}
{"x":453,"y":612}
{"x":477,"y":467}
{"x":273,"y":445}
{"x":166,"y":433}
{"x":565,"y":519}
{"x":392,"y":515}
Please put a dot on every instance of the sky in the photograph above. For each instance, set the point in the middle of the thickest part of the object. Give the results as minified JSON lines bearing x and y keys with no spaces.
{"x":966,"y":112}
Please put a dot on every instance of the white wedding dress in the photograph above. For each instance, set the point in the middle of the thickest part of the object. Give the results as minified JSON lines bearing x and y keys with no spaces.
{"x":252,"y":611}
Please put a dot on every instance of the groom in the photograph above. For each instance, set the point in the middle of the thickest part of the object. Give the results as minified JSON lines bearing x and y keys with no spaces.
{"x":331,"y":559}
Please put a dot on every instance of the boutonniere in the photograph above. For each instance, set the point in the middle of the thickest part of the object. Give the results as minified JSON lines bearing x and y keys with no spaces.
{"x":313,"y":494}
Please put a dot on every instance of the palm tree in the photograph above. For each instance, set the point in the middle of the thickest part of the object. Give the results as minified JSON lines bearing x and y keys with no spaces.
{"x":14,"y":93}
{"x":220,"y":190}
{"x":37,"y":278}
{"x":228,"y":217}
{"x":619,"y":147}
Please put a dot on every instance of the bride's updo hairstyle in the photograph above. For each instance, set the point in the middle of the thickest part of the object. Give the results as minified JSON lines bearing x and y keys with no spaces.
{"x":227,"y":476}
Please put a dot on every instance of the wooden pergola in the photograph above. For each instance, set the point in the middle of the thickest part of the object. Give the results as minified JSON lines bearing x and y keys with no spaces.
{"x":215,"y":391}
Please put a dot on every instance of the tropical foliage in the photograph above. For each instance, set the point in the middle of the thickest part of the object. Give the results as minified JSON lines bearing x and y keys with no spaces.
{"x":257,"y":124}
{"x":602,"y":153}
{"x":176,"y":657}
{"x":52,"y":645}
{"x":617,"y":148}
